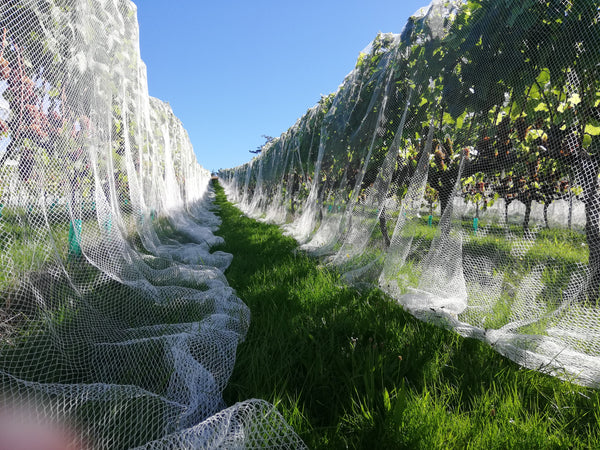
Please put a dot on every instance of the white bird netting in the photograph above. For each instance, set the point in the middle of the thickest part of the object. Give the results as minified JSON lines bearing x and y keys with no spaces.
{"x":111,"y":335}
{"x":457,"y":167}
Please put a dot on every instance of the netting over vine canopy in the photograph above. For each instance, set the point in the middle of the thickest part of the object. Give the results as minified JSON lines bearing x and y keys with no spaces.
{"x":111,"y":334}
{"x":457,"y":167}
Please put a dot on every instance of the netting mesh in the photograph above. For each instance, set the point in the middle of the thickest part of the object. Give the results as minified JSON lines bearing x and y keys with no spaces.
{"x":112,"y":335}
{"x":457,"y":167}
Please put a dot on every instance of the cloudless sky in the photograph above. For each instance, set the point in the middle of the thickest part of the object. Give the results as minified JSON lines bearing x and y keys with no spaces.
{"x":234,"y":70}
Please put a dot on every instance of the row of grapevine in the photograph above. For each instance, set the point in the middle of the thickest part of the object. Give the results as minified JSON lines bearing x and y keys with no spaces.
{"x":118,"y":328}
{"x":457,"y":167}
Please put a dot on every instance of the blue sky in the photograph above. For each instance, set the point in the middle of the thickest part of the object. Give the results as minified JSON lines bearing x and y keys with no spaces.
{"x":234,"y":70}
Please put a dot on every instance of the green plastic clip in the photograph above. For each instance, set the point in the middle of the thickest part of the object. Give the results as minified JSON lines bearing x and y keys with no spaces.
{"x":107,"y":224}
{"x":75,"y":237}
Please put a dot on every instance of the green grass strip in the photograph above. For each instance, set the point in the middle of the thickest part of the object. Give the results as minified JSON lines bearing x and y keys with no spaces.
{"x":352,"y":369}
